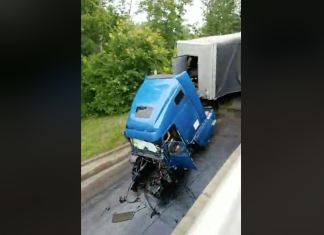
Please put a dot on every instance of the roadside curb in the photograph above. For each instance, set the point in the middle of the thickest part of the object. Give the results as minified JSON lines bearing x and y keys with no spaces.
{"x":103,"y":164}
{"x":104,"y":172}
{"x":106,"y":154}
{"x":103,"y":180}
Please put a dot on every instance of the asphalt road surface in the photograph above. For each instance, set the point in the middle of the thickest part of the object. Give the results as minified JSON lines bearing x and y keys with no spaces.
{"x":96,"y":214}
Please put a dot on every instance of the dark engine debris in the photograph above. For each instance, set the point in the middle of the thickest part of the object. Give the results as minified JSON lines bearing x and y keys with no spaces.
{"x":149,"y":176}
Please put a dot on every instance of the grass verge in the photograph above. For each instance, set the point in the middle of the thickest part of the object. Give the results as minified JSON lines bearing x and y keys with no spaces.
{"x":99,"y":135}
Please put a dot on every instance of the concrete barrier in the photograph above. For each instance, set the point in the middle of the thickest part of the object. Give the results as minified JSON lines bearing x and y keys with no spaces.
{"x":219,"y":204}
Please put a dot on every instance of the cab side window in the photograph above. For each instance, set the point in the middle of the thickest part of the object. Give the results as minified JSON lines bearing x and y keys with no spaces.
{"x":172,"y":135}
{"x":179,"y":97}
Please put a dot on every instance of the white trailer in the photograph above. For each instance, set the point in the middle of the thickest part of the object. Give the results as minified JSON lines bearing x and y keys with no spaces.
{"x":218,"y":63}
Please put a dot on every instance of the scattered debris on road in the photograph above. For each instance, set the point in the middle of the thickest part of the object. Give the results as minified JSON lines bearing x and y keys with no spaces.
{"x":138,"y":208}
{"x":106,"y":209}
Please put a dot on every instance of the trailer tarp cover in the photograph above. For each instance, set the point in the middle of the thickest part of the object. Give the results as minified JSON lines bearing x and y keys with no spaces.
{"x":228,"y":67}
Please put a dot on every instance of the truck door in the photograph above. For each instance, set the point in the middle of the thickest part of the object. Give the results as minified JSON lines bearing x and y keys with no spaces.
{"x":177,"y":150}
{"x":179,"y":64}
{"x":179,"y":155}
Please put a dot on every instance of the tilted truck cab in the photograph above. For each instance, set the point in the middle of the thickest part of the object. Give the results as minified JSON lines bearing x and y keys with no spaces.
{"x":166,"y":123}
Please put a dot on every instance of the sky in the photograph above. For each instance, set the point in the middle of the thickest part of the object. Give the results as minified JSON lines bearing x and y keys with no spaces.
{"x":193,"y":15}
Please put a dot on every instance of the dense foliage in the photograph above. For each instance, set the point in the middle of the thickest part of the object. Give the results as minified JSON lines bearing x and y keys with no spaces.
{"x":115,"y":74}
{"x":221,"y":17}
{"x":116,"y":53}
{"x":165,"y":16}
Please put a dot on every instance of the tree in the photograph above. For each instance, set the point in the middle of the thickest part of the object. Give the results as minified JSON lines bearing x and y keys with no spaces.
{"x":123,"y":7}
{"x":221,"y":17}
{"x":195,"y":30}
{"x":97,"y":21}
{"x":165,"y":16}
{"x":115,"y":74}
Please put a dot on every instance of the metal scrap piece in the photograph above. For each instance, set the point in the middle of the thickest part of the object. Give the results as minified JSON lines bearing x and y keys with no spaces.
{"x":120,"y":217}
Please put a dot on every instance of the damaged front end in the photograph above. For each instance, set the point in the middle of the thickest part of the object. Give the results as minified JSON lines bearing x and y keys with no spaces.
{"x":150,"y":174}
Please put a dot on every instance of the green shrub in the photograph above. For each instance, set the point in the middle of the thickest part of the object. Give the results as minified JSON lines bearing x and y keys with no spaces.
{"x":114,"y":75}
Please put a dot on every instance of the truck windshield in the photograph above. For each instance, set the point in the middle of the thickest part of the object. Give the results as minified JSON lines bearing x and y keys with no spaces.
{"x":147,"y":149}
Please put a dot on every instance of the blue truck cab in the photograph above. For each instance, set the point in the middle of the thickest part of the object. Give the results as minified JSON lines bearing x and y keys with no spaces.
{"x":167,"y":121}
